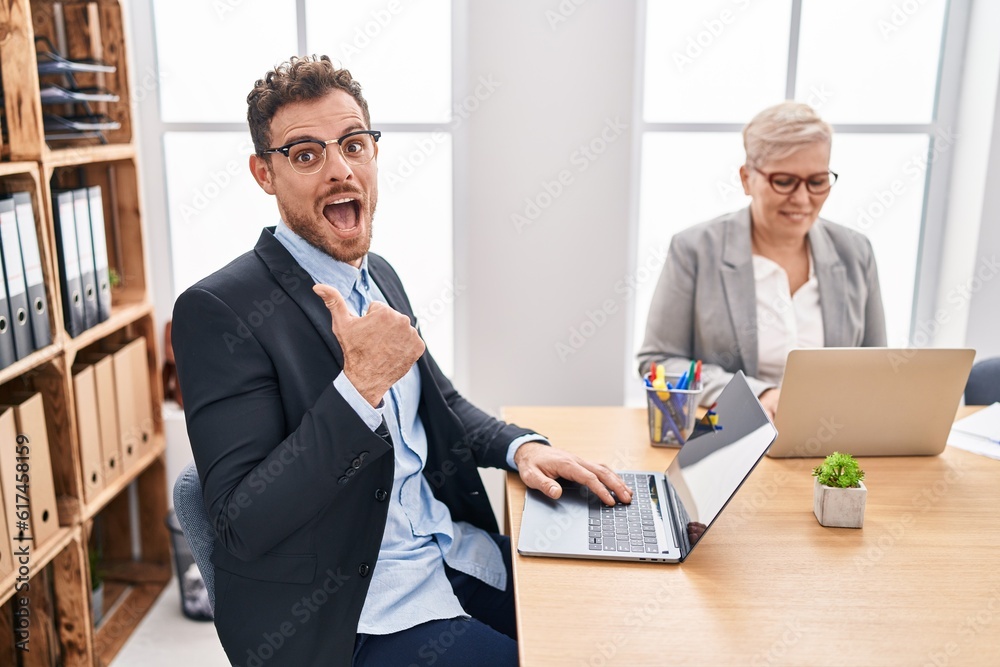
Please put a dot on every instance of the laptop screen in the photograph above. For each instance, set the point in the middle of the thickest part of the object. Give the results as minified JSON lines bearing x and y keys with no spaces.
{"x":710,"y":468}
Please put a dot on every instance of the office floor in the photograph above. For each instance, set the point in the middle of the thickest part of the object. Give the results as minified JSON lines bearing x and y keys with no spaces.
{"x":165,"y":638}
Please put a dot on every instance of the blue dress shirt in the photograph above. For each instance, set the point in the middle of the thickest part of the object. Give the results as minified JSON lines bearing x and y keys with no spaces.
{"x":409,"y":585}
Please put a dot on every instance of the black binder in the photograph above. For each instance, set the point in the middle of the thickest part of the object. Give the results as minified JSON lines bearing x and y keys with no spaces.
{"x":13,"y":273}
{"x":7,"y":356}
{"x":38,"y":303}
{"x":101,"y":275}
{"x":85,"y":244}
{"x":69,"y":262}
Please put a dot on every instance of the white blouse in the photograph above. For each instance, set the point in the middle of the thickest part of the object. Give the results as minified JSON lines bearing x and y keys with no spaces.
{"x":784,"y":321}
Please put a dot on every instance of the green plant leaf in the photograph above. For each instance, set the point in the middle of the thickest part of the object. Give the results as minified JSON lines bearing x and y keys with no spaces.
{"x":839,"y":470}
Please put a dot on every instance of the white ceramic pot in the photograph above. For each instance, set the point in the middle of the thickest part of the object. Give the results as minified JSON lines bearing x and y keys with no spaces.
{"x":839,"y":508}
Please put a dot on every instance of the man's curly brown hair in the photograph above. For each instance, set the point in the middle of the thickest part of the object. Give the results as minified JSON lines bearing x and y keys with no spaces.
{"x":300,"y":78}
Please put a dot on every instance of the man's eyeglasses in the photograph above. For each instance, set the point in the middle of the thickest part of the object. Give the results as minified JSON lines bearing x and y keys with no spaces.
{"x":307,"y":156}
{"x":786,"y":184}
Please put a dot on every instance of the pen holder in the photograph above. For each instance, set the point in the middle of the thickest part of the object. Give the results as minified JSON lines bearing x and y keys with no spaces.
{"x":672,"y":413}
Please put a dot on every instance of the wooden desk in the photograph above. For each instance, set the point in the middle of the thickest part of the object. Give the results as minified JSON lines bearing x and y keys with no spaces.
{"x":918,"y":585}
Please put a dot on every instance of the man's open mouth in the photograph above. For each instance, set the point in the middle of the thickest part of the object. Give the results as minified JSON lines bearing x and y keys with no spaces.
{"x":344,"y":213}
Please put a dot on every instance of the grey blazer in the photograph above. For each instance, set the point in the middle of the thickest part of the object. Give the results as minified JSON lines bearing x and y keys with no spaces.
{"x":705,"y":303}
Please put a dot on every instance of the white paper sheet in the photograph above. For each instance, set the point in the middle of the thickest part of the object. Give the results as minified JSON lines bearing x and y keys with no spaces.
{"x":978,"y":433}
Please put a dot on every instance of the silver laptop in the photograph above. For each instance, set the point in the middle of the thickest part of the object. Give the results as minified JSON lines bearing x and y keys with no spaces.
{"x":869,"y":401}
{"x":671,"y":511}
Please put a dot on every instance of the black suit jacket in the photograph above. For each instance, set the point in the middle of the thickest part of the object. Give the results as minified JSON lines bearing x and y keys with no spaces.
{"x":294,"y":481}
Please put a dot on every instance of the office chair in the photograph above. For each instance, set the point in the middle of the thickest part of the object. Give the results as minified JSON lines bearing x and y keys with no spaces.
{"x":983,"y":387}
{"x":189,"y":505}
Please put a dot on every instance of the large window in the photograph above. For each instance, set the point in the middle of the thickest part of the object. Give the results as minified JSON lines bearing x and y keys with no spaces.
{"x":869,"y":67}
{"x":208,"y":55}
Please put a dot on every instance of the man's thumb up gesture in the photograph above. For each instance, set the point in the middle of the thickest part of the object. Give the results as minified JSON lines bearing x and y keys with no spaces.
{"x":379,"y":348}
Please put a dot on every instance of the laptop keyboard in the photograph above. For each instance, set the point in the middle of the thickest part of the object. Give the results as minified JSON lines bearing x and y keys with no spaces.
{"x":625,"y":528}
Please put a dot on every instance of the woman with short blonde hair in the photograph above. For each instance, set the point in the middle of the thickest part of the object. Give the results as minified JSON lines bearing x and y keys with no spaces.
{"x":741,"y":291}
{"x":778,"y":131}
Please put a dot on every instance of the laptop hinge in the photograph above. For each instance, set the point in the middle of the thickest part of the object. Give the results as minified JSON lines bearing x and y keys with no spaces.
{"x":679,"y":531}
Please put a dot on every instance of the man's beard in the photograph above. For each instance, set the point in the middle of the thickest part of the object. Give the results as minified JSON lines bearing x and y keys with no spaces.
{"x":347,"y":251}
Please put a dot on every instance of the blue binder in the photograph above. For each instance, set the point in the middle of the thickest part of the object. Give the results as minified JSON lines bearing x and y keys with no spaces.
{"x":7,"y":355}
{"x":38,"y":303}
{"x":85,"y":245}
{"x":69,"y":263}
{"x":102,"y":275}
{"x":13,"y":273}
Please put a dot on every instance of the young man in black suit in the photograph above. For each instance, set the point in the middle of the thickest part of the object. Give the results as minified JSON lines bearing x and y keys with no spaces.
{"x":338,"y":463}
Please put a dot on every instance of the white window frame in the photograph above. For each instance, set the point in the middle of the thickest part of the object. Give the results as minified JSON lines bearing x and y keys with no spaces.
{"x":937,"y":176}
{"x":153,"y":129}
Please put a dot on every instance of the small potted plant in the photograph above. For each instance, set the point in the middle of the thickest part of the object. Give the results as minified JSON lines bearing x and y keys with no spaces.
{"x":838,"y":492}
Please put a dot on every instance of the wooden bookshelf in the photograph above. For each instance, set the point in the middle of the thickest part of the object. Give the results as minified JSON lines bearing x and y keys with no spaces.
{"x":26,"y":177}
{"x":39,"y":559}
{"x":132,"y":586}
{"x":64,"y":632}
{"x":59,"y":605}
{"x":118,"y":486}
{"x":87,"y":155}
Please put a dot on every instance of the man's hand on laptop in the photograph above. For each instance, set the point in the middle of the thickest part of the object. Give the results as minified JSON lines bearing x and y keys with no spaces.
{"x":540,"y":465}
{"x":769,"y":401}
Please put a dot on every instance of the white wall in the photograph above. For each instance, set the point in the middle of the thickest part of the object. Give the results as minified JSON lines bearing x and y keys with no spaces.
{"x":564,"y":80}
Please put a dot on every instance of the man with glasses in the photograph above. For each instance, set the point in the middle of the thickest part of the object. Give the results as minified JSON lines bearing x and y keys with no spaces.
{"x":742,"y":290}
{"x":338,"y":463}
